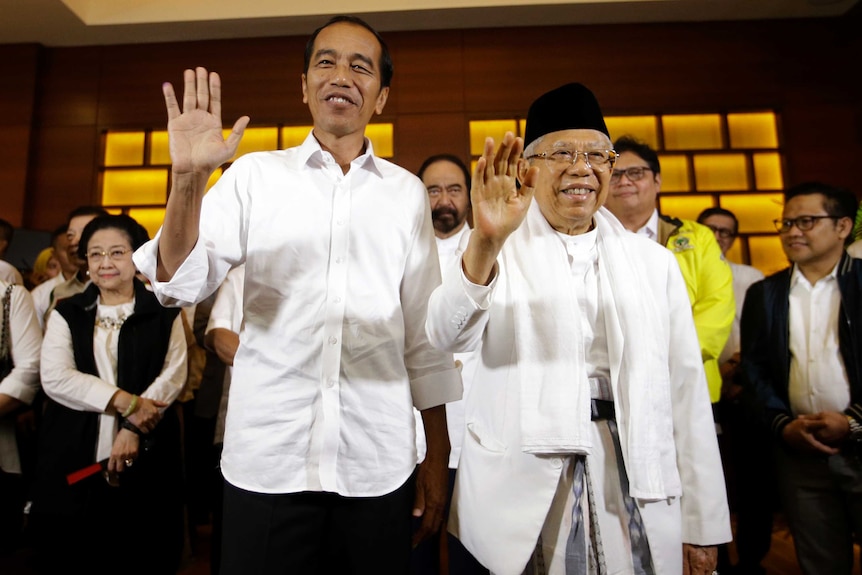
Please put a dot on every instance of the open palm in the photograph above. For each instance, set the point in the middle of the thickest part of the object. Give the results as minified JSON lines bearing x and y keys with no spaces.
{"x":195,"y":133}
{"x":499,"y":205}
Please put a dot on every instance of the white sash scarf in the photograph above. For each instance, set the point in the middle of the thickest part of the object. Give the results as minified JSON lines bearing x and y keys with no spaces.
{"x":555,"y":393}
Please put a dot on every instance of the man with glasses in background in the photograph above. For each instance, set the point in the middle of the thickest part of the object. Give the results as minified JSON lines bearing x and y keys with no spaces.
{"x":634,"y":187}
{"x":801,"y":350}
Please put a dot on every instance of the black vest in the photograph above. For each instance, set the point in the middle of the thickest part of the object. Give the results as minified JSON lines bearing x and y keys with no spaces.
{"x":68,"y":437}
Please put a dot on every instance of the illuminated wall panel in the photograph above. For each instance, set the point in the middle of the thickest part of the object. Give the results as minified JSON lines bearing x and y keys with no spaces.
{"x":755,"y":212}
{"x":130,"y":187}
{"x":381,"y":139}
{"x":766,"y":253}
{"x":479,"y":130}
{"x":213,"y":179}
{"x":150,"y":218}
{"x":752,"y":130}
{"x":292,"y":136}
{"x":644,"y":128}
{"x":686,"y":207}
{"x":720,"y":172}
{"x":674,"y":173}
{"x":160,"y":152}
{"x":124,"y":149}
{"x":767,"y":171}
{"x":255,"y":140}
{"x":692,"y":132}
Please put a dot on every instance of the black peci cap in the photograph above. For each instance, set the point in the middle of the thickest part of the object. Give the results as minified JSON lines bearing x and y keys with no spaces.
{"x":569,"y":107}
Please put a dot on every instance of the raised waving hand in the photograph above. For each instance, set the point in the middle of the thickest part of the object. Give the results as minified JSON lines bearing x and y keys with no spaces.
{"x":499,"y":204}
{"x":197,"y":149}
{"x":195,"y":132}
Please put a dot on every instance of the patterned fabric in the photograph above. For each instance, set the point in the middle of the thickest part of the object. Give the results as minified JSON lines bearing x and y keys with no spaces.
{"x":579,"y":558}
{"x":641,"y":556}
{"x":597,"y":551}
{"x":576,"y":549}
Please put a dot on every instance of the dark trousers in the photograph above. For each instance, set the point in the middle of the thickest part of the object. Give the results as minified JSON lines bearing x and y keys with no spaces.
{"x":822,"y":499}
{"x":443,"y":553}
{"x":120,"y":531}
{"x":316,"y":533}
{"x":12,"y":495}
{"x":746,"y":455}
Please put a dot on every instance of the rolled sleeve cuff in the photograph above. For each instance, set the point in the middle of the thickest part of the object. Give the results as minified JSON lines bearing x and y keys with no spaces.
{"x":189,"y":281}
{"x":436,"y":388}
{"x":100,"y":395}
{"x":219,"y":323}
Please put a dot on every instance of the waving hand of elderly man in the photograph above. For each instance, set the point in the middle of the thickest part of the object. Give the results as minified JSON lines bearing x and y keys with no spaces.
{"x":499,"y":204}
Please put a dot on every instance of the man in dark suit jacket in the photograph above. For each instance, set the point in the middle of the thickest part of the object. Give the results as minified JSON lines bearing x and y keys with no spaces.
{"x":801,"y":348}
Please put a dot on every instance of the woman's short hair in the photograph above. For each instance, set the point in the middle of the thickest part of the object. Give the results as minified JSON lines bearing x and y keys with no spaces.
{"x":135,"y":232}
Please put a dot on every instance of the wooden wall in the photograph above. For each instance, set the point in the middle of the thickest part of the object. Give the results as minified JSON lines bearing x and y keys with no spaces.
{"x":57,"y":101}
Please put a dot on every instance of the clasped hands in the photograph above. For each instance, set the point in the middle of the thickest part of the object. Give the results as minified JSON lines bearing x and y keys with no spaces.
{"x":817,"y":432}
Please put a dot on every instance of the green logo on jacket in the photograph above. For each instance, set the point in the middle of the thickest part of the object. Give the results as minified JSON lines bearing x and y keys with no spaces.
{"x":681,"y":244}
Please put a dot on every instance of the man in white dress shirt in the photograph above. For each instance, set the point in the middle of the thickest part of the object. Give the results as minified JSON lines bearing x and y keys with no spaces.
{"x":590,"y":445}
{"x":801,"y":356}
{"x":319,"y":447}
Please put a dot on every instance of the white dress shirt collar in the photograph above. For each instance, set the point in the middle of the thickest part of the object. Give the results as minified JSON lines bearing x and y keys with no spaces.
{"x":650,"y":229}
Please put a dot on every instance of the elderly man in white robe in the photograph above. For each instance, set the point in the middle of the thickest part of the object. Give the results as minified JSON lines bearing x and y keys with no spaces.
{"x":590,"y":445}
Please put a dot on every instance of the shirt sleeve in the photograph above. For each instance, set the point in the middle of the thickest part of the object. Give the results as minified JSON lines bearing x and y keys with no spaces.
{"x":758,"y":361}
{"x":22,"y":383}
{"x":458,"y":310}
{"x":167,"y":386}
{"x":220,"y":246}
{"x":713,"y":308}
{"x":434,"y":379}
{"x":226,"y":312}
{"x":42,"y":299}
{"x":703,"y":505}
{"x":60,"y":377}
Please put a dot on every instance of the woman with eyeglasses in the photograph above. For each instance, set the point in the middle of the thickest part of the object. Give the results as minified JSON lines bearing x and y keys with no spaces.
{"x":108,"y":493}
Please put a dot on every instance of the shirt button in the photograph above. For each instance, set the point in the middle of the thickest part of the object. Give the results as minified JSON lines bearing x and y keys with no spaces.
{"x":336,"y":299}
{"x":333,"y":340}
{"x":339,"y":260}
{"x":340,"y":222}
{"x":557,"y":463}
{"x":330,"y":383}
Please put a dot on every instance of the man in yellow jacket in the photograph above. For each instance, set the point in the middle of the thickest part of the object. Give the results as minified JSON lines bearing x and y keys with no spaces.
{"x":635,"y":184}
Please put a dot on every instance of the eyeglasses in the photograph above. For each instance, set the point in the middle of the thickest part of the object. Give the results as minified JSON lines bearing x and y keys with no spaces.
{"x":723,"y":233}
{"x":453,"y":190}
{"x":597,"y":160}
{"x":804,"y":223}
{"x":634,"y":174}
{"x":115,"y":254}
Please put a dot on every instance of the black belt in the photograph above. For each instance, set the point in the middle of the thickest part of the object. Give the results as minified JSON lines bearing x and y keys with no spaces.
{"x":601,"y":409}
